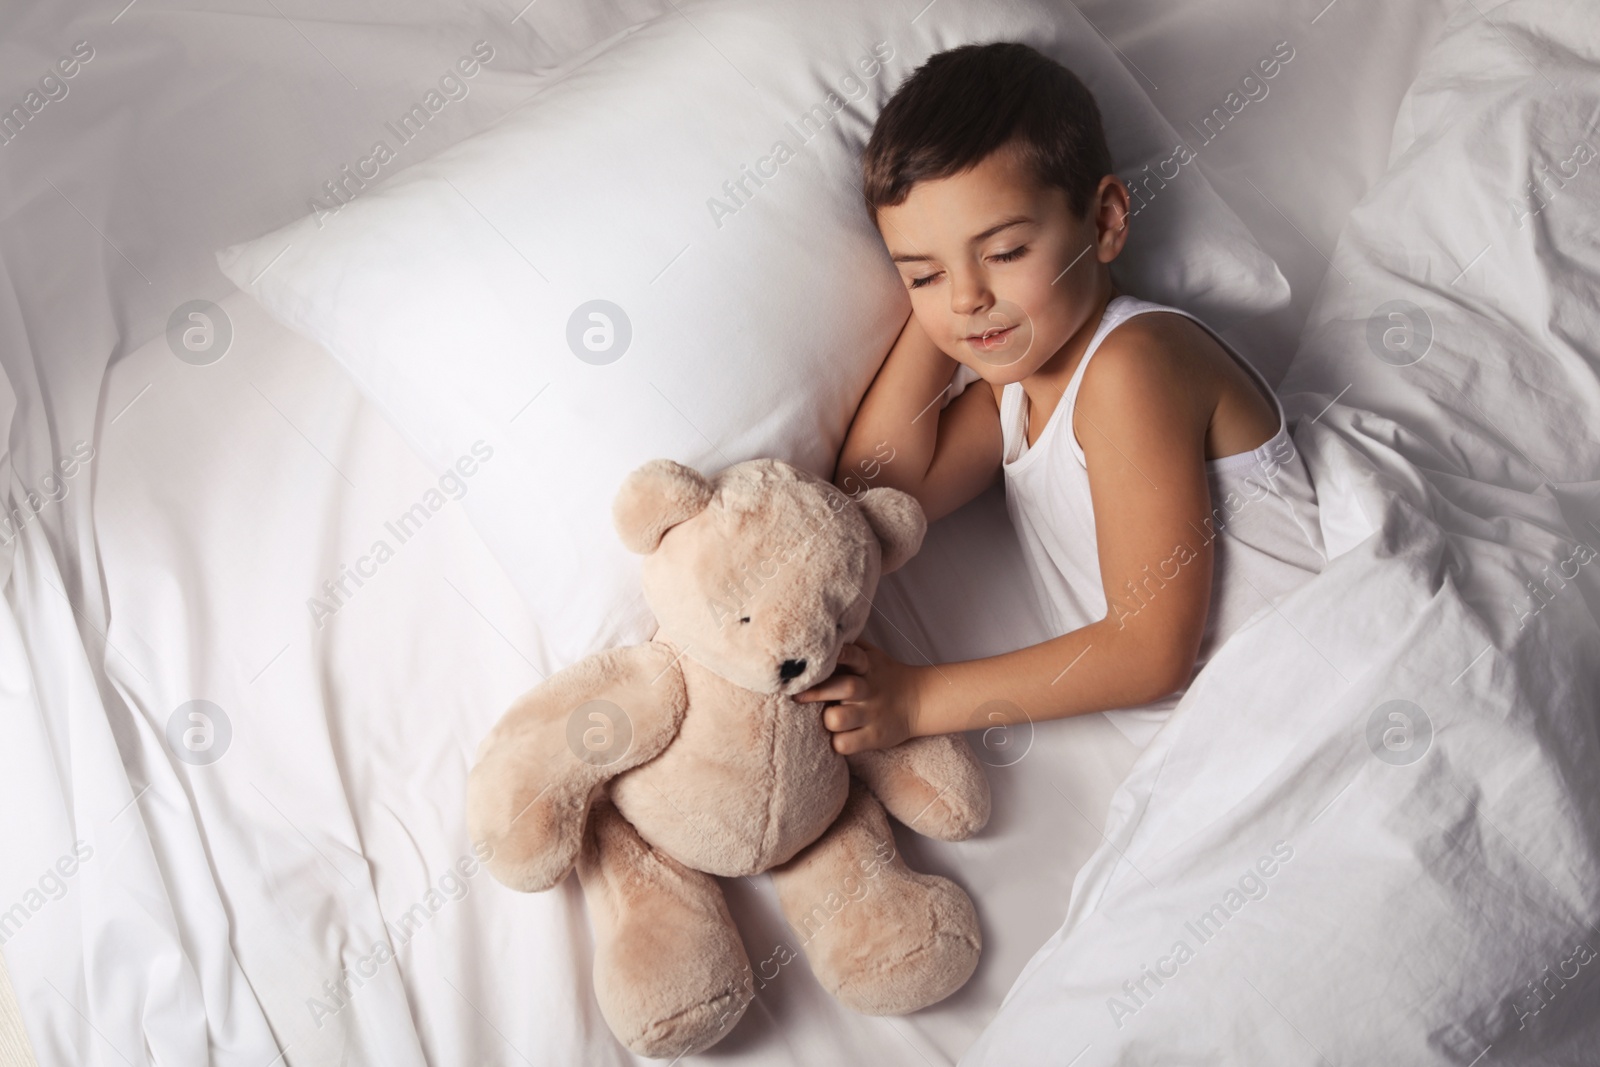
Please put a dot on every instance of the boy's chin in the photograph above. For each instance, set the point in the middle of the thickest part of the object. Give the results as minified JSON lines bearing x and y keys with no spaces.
{"x":995,"y":374}
{"x":1000,"y":365}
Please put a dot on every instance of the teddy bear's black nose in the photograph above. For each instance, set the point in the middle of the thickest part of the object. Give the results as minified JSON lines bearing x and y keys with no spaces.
{"x":791,"y":668}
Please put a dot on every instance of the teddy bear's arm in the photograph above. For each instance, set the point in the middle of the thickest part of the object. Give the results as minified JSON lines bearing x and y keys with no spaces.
{"x":935,"y":785}
{"x":542,"y":765}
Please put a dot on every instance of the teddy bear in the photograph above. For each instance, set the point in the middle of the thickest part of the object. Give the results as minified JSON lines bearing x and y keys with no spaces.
{"x":657,"y":768}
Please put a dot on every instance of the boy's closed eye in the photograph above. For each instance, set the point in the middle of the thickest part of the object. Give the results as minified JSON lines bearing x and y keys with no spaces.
{"x":999,"y":257}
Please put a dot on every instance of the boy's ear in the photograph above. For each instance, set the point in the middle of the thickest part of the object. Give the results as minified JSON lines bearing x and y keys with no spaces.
{"x":1110,"y":206}
{"x":899,"y":522}
{"x":654,"y":499}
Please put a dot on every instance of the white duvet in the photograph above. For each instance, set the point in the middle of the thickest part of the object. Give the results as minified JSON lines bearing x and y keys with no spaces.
{"x":1371,"y":832}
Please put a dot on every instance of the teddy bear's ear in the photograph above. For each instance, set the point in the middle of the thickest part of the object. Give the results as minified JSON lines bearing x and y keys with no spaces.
{"x":654,"y":499}
{"x":898,"y":520}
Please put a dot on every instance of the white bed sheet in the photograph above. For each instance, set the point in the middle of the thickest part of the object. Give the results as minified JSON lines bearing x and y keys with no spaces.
{"x":339,"y":800}
{"x":219,"y":899}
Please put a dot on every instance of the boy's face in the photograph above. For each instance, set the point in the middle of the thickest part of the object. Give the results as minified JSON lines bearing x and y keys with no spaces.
{"x":1000,"y":271}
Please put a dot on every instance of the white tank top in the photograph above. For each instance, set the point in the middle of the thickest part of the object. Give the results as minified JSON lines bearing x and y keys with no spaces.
{"x":1264,"y":529}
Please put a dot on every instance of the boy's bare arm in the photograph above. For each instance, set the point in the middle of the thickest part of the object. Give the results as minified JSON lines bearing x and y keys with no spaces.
{"x":1142,"y":429}
{"x":1143,"y":434}
{"x":901,"y":438}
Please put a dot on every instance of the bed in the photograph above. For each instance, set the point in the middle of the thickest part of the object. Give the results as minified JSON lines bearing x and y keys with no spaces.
{"x":227,"y":909}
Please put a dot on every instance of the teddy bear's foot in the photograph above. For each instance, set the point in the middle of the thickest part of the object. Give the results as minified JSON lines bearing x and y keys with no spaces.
{"x":670,"y":971}
{"x":882,"y":938}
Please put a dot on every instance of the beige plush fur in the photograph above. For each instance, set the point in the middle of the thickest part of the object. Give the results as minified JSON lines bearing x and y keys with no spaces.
{"x":654,"y":768}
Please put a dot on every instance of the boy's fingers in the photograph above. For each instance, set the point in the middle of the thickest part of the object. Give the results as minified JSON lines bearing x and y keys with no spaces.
{"x":821,"y":691}
{"x":839,"y":687}
{"x":842,"y":717}
{"x":848,"y":744}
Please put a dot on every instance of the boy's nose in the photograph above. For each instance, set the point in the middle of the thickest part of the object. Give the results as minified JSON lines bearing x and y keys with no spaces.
{"x":970,"y":299}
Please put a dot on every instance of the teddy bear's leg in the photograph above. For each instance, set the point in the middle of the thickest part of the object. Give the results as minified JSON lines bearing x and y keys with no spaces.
{"x":670,"y":971}
{"x":933,"y":785}
{"x":879,"y":936}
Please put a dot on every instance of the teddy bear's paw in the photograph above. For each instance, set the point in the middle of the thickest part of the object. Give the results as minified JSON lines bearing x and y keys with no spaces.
{"x":669,"y":991}
{"x":533,"y":834}
{"x":552,"y":753}
{"x":919,"y":945}
{"x":953,"y":811}
{"x":934,"y":785}
{"x":691,"y":1029}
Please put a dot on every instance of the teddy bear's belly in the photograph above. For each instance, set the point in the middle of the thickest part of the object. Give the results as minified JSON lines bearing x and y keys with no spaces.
{"x":749,"y":781}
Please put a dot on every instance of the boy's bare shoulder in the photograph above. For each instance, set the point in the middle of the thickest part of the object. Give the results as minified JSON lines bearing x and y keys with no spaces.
{"x":1156,"y":349}
{"x":1161,"y":334}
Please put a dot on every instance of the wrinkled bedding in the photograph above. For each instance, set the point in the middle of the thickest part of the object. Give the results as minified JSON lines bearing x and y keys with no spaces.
{"x":210,"y":907}
{"x":1402,"y":862}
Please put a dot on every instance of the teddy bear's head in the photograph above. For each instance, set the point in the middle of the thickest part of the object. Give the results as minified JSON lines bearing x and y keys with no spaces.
{"x":764,"y":571}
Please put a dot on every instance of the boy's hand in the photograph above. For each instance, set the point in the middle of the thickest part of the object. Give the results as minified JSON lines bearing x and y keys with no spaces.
{"x":872,"y":699}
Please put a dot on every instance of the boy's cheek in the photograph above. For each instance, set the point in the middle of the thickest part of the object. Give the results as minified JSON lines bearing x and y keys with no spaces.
{"x":934,"y":318}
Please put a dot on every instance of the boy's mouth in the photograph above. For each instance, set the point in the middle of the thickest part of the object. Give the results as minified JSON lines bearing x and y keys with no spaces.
{"x":991,"y":338}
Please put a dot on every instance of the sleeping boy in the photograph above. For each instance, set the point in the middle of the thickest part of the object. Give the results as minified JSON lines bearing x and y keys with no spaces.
{"x":1148,"y":468}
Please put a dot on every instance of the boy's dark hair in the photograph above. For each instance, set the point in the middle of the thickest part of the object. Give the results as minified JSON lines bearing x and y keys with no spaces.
{"x":962,"y":104}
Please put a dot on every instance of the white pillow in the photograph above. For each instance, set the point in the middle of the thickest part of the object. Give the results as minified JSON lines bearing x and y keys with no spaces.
{"x":701,"y":175}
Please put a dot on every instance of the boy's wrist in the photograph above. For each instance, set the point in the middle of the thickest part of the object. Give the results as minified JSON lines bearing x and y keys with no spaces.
{"x":926,"y":706}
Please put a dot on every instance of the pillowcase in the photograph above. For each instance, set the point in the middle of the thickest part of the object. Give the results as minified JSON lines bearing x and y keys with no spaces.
{"x":665,"y":253}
